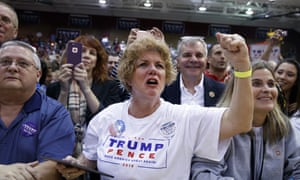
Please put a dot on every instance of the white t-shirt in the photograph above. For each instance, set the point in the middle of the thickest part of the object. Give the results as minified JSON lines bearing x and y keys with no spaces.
{"x":159,"y":146}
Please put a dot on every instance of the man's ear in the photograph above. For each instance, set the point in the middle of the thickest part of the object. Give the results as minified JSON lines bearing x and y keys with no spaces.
{"x":15,"y":33}
{"x":38,"y":76}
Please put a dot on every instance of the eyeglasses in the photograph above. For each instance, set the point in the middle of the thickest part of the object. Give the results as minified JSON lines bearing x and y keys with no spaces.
{"x":6,"y":62}
{"x":5,"y":20}
{"x":25,"y":45}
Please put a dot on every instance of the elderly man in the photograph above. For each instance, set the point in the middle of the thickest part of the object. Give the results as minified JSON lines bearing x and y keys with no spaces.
{"x":32,"y":125}
{"x":8,"y":23}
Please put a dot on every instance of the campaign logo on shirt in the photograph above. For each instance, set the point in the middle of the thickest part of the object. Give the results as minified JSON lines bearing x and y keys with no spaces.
{"x":168,"y":129}
{"x":135,"y":152}
{"x":29,"y":129}
{"x":117,"y":128}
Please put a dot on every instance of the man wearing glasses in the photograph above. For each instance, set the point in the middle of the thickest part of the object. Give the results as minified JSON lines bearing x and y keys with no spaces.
{"x":8,"y":23}
{"x":32,"y":126}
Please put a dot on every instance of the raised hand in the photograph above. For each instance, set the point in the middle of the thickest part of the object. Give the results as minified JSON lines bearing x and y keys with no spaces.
{"x":132,"y":35}
{"x":65,"y":76}
{"x":69,"y":172}
{"x":157,"y":33}
{"x":81,"y":76}
{"x":236,"y":50}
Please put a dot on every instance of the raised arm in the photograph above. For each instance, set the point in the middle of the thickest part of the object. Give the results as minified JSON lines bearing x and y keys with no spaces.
{"x":238,"y":117}
{"x":275,"y":40}
{"x":155,"y":32}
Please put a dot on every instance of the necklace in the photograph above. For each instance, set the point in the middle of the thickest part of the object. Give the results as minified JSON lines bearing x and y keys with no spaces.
{"x":140,"y":112}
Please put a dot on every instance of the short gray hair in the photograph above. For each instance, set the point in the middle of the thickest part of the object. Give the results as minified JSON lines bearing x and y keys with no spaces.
{"x":15,"y":19}
{"x":191,"y":40}
{"x":23,"y":44}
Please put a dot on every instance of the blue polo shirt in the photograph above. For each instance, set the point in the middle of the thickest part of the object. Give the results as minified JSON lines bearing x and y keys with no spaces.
{"x":42,"y":128}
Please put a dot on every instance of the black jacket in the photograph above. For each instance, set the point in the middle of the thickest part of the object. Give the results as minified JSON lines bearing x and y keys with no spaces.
{"x":212,"y":91}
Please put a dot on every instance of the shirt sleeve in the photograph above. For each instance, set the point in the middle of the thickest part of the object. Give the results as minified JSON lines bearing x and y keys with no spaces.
{"x":57,"y":138}
{"x":90,"y":144}
{"x":207,"y":143}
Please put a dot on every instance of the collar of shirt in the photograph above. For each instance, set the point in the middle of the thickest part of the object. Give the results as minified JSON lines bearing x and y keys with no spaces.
{"x":187,"y":97}
{"x":210,"y":75}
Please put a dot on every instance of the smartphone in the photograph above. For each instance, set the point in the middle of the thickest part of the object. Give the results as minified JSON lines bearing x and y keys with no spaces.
{"x":74,"y":53}
{"x":70,"y":164}
{"x":142,"y":34}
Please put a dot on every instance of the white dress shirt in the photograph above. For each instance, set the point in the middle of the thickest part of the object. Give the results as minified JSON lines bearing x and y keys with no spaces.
{"x":189,"y":98}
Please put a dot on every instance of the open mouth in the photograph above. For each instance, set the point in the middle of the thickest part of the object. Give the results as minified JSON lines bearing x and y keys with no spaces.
{"x":152,"y":82}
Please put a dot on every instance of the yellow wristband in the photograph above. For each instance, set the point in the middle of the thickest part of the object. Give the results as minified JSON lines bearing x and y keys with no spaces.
{"x":244,"y":74}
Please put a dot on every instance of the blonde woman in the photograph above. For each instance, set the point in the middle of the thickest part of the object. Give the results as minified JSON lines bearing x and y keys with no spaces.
{"x":270,"y":150}
{"x":149,"y":138}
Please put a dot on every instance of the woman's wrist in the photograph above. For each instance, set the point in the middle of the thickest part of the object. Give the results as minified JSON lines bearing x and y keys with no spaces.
{"x":241,"y":67}
{"x":86,"y":91}
{"x":243,"y":70}
{"x":243,"y":74}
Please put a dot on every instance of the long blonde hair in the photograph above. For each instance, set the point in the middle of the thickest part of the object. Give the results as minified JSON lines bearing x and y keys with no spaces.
{"x":276,"y":125}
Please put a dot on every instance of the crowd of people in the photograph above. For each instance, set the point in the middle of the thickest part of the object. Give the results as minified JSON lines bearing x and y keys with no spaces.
{"x":208,"y":113}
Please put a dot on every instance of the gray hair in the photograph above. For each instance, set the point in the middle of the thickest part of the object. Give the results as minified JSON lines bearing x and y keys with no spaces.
{"x":15,"y":19}
{"x":35,"y":57}
{"x":191,"y":40}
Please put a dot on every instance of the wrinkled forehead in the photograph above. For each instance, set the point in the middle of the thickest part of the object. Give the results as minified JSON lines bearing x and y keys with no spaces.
{"x":217,"y":47}
{"x":193,"y":43}
{"x":14,"y":51}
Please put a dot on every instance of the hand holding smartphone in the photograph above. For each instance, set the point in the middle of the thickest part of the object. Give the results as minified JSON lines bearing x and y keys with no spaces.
{"x":74,"y":53}
{"x":142,"y":34}
{"x":69,"y":164}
